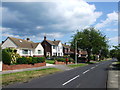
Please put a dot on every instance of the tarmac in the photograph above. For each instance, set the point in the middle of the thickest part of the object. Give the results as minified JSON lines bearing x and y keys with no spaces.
{"x":113,"y":73}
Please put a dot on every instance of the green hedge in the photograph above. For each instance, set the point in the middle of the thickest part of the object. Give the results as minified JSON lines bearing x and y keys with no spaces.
{"x":61,"y":59}
{"x":30,"y":60}
{"x":64,"y":60}
{"x":6,"y":58}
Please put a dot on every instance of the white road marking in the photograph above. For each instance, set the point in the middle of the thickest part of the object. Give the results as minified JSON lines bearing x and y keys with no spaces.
{"x":96,"y":65}
{"x":70,"y":80}
{"x":86,"y":71}
{"x":92,"y":67}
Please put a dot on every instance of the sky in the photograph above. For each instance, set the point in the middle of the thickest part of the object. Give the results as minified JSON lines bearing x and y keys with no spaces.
{"x":58,"y":20}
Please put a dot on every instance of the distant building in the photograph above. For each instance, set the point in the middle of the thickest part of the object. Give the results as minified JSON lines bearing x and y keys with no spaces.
{"x":52,"y":48}
{"x":66,"y":49}
{"x":24,"y":47}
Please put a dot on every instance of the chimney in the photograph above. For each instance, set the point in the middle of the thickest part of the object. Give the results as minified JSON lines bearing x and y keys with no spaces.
{"x":44,"y":37}
{"x":2,"y":42}
{"x":28,"y":39}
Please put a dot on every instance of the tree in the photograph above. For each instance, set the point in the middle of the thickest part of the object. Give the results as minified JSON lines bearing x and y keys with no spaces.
{"x":91,"y":40}
{"x":116,"y":52}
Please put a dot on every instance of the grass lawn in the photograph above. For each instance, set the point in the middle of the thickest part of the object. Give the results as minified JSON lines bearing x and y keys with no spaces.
{"x":77,"y":65}
{"x":50,"y":61}
{"x":26,"y":75}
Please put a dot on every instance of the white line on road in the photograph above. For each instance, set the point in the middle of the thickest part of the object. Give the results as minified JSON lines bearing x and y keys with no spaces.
{"x":96,"y":65}
{"x":86,"y":71}
{"x":92,"y":67}
{"x":71,"y":80}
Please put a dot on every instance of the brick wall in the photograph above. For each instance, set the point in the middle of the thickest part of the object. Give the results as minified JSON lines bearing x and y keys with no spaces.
{"x":21,"y":66}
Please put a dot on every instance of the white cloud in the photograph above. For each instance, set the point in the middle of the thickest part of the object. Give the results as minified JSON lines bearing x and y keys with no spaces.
{"x":57,"y":18}
{"x":39,"y":27}
{"x":111,"y":18}
{"x":3,"y":29}
{"x":53,"y":35}
{"x":74,"y":15}
{"x":114,"y":39}
{"x":111,"y":30}
{"x":11,"y":16}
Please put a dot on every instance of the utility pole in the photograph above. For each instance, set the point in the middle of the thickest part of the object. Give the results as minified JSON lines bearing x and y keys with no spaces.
{"x":75,"y":51}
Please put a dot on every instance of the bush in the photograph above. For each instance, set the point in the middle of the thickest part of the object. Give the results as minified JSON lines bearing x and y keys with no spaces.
{"x":30,"y":60}
{"x":22,"y":60}
{"x":40,"y":59}
{"x":6,"y":58}
{"x":61,"y":59}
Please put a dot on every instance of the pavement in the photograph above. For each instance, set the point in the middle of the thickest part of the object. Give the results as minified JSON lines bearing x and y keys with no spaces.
{"x":62,"y":67}
{"x":113,"y":76}
{"x":90,"y":76}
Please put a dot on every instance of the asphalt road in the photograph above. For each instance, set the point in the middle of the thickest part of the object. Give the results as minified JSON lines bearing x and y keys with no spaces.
{"x":91,"y":76}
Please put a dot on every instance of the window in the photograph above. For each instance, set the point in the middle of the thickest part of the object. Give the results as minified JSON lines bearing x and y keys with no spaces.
{"x":24,"y":51}
{"x":53,"y":46}
{"x":39,"y":51}
{"x":58,"y":54}
{"x":54,"y":54}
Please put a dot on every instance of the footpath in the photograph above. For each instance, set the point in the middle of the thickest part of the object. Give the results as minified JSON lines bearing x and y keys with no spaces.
{"x":62,"y":67}
{"x":113,"y":77}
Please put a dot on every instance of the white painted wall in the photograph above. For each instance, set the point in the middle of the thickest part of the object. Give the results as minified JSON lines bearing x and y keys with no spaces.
{"x":30,"y":52}
{"x":39,"y":47}
{"x":58,"y":49}
{"x":8,"y":43}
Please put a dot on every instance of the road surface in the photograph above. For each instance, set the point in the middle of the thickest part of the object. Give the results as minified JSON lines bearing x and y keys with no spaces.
{"x":91,"y":76}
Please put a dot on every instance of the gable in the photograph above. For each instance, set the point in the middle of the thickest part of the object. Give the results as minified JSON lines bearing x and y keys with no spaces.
{"x":8,"y":43}
{"x":39,"y":46}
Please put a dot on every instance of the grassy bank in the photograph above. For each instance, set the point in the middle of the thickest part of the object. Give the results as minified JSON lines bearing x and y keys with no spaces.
{"x":77,"y":65}
{"x":26,"y":75}
{"x":50,"y":61}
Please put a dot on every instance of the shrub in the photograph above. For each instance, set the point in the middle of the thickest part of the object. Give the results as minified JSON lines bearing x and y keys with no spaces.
{"x":30,"y":60}
{"x":40,"y":59}
{"x":6,"y":58}
{"x":71,"y":60}
{"x":61,"y":59}
{"x":22,"y":60}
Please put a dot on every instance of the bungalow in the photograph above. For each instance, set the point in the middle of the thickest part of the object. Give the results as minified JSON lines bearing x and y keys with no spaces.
{"x":52,"y":48}
{"x":24,"y":47}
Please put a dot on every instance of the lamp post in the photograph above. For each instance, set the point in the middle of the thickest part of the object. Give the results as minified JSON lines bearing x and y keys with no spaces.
{"x":76,"y":50}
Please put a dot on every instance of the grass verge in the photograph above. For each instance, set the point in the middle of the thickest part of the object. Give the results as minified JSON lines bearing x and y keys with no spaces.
{"x":50,"y":61}
{"x":26,"y":75}
{"x":77,"y":65}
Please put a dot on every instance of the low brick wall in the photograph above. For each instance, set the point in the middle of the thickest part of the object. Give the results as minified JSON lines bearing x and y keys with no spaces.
{"x":56,"y":62}
{"x":21,"y":66}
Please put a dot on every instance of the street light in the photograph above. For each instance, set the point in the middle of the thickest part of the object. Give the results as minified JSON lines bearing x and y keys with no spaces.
{"x":76,"y":50}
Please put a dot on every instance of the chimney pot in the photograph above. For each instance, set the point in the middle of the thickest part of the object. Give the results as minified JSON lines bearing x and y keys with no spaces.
{"x":27,"y":39}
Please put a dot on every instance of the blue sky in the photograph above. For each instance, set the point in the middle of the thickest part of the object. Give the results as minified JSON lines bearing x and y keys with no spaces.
{"x":58,"y":20}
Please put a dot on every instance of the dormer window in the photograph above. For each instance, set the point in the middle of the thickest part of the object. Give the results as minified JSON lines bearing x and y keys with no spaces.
{"x":20,"y":40}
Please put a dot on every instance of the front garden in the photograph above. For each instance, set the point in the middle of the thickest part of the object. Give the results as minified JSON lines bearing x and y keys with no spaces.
{"x":12,"y":60}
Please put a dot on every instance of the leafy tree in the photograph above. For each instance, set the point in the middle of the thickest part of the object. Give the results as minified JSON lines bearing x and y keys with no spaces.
{"x":91,"y":40}
{"x":116,"y":52}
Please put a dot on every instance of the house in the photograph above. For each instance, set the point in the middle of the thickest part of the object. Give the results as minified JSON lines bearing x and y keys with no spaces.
{"x":52,"y":48}
{"x":83,"y":53}
{"x":24,"y":47}
{"x":66,"y":49}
